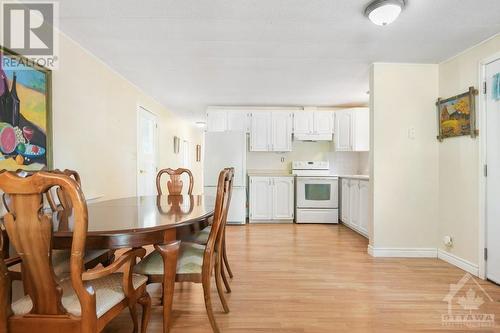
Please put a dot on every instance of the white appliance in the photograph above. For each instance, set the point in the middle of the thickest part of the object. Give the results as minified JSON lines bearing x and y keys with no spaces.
{"x":316,"y":193}
{"x":223,"y":150}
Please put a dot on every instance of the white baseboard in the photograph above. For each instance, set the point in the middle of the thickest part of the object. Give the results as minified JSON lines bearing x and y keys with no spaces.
{"x":459,"y":262}
{"x":404,"y":252}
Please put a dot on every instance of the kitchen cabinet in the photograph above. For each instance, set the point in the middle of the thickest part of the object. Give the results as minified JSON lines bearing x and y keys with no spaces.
{"x":352,"y":130}
{"x":313,"y":123}
{"x":271,"y":131}
{"x":227,"y":121}
{"x":354,"y":204}
{"x":271,"y":199}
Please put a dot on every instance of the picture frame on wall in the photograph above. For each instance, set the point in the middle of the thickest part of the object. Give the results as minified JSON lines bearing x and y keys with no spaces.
{"x":456,"y":115}
{"x":25,"y":113}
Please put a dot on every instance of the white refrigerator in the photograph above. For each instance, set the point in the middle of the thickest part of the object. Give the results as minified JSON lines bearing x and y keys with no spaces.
{"x":223,"y":150}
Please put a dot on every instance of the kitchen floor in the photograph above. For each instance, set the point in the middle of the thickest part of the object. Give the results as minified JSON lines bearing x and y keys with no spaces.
{"x":318,"y":278}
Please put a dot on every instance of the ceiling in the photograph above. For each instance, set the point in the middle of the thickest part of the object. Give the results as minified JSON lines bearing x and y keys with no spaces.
{"x":189,"y":54}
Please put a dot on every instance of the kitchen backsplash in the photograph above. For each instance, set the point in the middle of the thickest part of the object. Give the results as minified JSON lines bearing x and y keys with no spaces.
{"x":340,"y":162}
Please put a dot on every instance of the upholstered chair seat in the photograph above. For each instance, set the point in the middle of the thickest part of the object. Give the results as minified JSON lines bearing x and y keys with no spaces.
{"x":190,"y":261}
{"x":108,"y":291}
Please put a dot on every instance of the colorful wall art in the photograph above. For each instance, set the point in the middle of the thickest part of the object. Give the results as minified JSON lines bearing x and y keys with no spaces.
{"x":25,"y":114}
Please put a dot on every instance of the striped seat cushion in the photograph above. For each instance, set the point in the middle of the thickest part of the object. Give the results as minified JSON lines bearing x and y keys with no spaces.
{"x":108,"y":291}
{"x":189,"y":261}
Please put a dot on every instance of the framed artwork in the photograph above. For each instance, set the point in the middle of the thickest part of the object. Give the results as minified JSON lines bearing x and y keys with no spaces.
{"x":457,"y":115}
{"x":198,"y":153}
{"x":25,"y":113}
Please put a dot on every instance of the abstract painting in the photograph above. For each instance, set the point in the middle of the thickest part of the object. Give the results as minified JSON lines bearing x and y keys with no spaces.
{"x":457,"y":115}
{"x":25,"y":114}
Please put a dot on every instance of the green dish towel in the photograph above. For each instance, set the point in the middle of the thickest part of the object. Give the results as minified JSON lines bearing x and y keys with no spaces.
{"x":496,"y":87}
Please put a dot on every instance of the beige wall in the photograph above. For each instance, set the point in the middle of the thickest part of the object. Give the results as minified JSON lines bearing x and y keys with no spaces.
{"x":459,"y":159}
{"x":95,"y":120}
{"x":404,"y":171}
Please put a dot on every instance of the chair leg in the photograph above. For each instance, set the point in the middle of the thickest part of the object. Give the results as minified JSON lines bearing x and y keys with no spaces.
{"x":169,"y":253}
{"x":133,"y":314}
{"x":224,"y":278}
{"x":208,"y":303}
{"x":224,"y":255}
{"x":218,"y":283}
{"x":145,"y":301}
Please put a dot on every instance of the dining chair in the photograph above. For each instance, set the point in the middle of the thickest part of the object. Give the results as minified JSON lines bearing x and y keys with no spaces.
{"x":202,"y":238}
{"x":81,"y":301}
{"x":175,"y":184}
{"x":63,"y":208}
{"x":196,"y":262}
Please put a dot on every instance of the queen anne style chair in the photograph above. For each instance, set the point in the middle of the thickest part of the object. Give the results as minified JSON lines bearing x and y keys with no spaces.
{"x":196,"y":262}
{"x":80,"y":301}
{"x":175,"y":184}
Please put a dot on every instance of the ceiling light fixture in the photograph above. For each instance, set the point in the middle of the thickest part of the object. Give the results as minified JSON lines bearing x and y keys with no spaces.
{"x":384,"y":12}
{"x":200,"y":124}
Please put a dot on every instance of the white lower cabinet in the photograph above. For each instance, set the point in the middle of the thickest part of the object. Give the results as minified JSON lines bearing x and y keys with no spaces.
{"x":271,"y":199}
{"x":354,"y":204}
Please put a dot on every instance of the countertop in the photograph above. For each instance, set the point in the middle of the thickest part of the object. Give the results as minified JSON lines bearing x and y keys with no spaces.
{"x":269,"y":173}
{"x":361,"y":177}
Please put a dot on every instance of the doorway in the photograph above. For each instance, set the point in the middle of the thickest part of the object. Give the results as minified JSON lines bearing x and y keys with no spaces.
{"x":492,"y":216}
{"x":147,"y":151}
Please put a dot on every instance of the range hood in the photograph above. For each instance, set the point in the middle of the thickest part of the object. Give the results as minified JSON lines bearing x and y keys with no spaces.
{"x":313,"y":137}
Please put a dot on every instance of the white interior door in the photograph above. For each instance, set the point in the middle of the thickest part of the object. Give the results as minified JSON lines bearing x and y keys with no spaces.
{"x":147,"y":150}
{"x":493,"y":178}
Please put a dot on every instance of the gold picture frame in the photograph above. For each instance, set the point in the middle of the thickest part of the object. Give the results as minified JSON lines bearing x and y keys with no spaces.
{"x":456,"y":116}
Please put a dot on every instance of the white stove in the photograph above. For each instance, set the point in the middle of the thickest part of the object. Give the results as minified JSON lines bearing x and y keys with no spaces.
{"x":316,"y":192}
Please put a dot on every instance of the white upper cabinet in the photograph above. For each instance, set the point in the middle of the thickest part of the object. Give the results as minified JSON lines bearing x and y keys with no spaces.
{"x":227,"y":120}
{"x":323,"y":122}
{"x":271,"y":131}
{"x":260,"y":131}
{"x":342,"y":131}
{"x":303,"y":122}
{"x":216,"y":121}
{"x":352,"y":130}
{"x":281,"y":131}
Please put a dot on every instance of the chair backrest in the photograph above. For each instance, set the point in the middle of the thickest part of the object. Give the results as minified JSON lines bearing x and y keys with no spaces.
{"x":64,"y":202}
{"x":174,"y":185}
{"x":222,"y":228}
{"x":221,"y":204}
{"x":30,"y":232}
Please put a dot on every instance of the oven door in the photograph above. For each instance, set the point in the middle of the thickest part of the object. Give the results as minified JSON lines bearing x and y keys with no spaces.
{"x":317,"y":192}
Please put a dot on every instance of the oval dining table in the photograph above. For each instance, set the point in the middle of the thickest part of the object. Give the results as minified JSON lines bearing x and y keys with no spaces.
{"x":138,"y":221}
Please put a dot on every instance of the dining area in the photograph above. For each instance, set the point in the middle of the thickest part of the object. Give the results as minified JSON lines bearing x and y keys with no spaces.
{"x":82,"y":264}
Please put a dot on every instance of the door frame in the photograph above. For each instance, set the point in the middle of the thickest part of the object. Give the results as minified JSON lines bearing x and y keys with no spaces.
{"x":482,"y":162}
{"x":141,"y":108}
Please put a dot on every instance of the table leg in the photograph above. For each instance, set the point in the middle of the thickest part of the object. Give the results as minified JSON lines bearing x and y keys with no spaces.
{"x":169,"y":253}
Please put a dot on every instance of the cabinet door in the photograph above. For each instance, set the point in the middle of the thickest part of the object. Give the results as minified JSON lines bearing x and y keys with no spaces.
{"x":283,"y":191}
{"x":344,"y":217}
{"x":363,"y":206}
{"x":361,"y":129}
{"x":342,"y":131}
{"x":354,"y":202}
{"x":260,"y":198}
{"x":281,"y":130}
{"x":260,"y":131}
{"x":216,"y":121}
{"x":303,"y":122}
{"x":237,"y":121}
{"x":323,"y":122}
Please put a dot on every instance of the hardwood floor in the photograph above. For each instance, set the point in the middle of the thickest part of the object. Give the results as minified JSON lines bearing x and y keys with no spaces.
{"x":318,"y":278}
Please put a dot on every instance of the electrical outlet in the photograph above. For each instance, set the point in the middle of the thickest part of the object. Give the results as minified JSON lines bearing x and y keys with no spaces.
{"x":411,"y":133}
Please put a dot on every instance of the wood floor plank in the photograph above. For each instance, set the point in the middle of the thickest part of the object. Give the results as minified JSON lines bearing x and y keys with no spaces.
{"x":318,"y":278}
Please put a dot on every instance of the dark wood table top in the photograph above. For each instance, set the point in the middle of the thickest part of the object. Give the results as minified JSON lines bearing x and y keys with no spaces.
{"x":137,"y":221}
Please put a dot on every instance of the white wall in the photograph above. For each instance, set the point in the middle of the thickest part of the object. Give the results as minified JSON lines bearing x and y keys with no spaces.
{"x":459,"y":159}
{"x":404,"y":172}
{"x":94,"y":125}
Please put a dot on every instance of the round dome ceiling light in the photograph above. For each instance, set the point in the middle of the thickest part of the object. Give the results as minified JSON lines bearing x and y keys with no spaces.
{"x":384,"y":12}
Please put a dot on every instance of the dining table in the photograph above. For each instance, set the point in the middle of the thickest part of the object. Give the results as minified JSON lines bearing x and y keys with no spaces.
{"x":137,"y":221}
